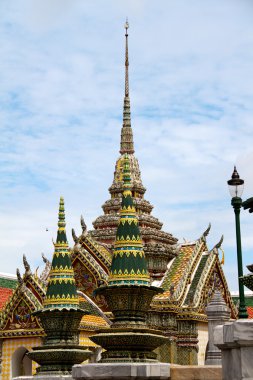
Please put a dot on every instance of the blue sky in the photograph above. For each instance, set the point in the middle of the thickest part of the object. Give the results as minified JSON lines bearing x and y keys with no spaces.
{"x":61,"y":96}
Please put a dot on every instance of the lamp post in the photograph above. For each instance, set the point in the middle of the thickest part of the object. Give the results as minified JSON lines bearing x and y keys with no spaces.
{"x":235,"y":185}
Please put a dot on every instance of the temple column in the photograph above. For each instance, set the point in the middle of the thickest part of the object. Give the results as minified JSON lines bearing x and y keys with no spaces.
{"x":166,"y":353}
{"x":187,"y":343}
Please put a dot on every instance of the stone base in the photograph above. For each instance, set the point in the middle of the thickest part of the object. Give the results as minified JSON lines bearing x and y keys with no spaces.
{"x":129,"y":344}
{"x":235,"y":339}
{"x":121,"y":371}
{"x":195,"y":372}
{"x":57,"y":360}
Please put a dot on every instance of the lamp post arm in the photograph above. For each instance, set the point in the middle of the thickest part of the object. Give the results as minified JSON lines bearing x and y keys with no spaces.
{"x":248,"y":204}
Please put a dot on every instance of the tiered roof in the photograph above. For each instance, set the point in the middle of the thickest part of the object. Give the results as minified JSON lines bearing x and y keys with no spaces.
{"x":191,"y":280}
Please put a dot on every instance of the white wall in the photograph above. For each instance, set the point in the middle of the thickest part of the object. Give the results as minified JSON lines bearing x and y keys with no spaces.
{"x":203,"y":340}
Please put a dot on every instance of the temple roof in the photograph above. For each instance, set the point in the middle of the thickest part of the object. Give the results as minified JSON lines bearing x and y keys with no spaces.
{"x":191,"y":279}
{"x":17,"y":319}
{"x":95,"y":319}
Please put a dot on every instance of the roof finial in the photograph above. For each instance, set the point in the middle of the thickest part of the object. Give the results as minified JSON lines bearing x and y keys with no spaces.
{"x":126,"y":61}
{"x":61,"y":234}
{"x":126,"y":143}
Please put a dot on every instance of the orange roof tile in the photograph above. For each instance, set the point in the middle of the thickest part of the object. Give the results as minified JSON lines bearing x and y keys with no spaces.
{"x":250,"y":312}
{"x":93,"y":320}
{"x":5,"y":294}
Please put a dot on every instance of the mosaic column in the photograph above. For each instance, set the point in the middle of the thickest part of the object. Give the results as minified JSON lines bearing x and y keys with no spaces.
{"x":187,"y":343}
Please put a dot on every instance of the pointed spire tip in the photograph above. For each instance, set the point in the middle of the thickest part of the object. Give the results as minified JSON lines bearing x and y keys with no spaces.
{"x":61,"y":234}
{"x":126,"y":25}
{"x":126,"y":142}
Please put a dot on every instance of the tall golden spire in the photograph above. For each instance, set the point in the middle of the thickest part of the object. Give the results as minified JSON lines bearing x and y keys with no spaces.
{"x":126,"y":142}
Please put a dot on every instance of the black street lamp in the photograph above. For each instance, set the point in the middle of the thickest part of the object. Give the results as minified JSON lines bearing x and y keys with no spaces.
{"x":235,"y":185}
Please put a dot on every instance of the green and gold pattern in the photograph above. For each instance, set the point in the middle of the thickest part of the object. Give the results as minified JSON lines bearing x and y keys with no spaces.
{"x":61,"y":290}
{"x":128,"y":262}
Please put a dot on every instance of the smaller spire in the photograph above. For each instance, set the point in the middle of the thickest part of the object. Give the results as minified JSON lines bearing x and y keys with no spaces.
{"x":61,"y":234}
{"x":61,"y":290}
{"x":126,"y":143}
{"x":128,"y":263}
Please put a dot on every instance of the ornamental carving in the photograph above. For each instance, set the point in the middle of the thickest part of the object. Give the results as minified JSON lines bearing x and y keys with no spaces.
{"x":85,"y":281}
{"x":22,"y":318}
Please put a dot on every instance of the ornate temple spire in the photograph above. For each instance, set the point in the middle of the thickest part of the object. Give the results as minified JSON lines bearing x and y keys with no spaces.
{"x":61,"y":290}
{"x":128,"y":262}
{"x":159,"y":246}
{"x":126,"y":142}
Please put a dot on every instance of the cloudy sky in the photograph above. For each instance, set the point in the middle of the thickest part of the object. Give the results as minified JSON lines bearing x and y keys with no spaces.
{"x":61,"y":95}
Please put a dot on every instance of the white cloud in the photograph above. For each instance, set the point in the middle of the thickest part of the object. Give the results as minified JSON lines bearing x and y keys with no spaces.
{"x":61,"y":95}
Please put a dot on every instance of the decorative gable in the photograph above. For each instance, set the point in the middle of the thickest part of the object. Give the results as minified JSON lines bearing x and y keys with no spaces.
{"x":17,"y":319}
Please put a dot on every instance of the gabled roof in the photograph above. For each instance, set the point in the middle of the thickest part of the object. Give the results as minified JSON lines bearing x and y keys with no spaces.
{"x":91,"y":257}
{"x":191,"y":280}
{"x":178,"y":276}
{"x":102,"y":254}
{"x":16,"y":318}
{"x":97,"y":257}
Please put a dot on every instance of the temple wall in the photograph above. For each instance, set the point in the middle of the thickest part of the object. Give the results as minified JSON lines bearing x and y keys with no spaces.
{"x":10,"y":346}
{"x":203,"y":339}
